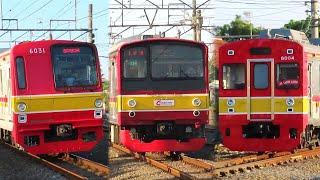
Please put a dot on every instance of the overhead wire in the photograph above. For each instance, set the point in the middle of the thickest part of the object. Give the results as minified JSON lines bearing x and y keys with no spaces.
{"x":23,"y":11}
{"x":37,"y":10}
{"x":14,"y":6}
{"x":59,"y":12}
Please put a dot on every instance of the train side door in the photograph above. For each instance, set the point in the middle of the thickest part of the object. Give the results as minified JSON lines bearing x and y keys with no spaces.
{"x":260,"y":91}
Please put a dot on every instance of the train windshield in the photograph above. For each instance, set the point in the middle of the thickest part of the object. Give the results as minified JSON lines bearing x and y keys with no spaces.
{"x":74,"y":66}
{"x":288,"y":75}
{"x":176,"y":61}
{"x":165,"y":65}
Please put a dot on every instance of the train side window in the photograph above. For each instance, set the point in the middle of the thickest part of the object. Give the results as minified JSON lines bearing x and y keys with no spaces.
{"x":261,"y":76}
{"x":233,"y":76}
{"x":288,"y":76}
{"x":21,"y":75}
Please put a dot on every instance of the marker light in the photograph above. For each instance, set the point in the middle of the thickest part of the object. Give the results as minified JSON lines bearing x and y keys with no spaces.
{"x":196,"y":102}
{"x":98,"y":103}
{"x":22,"y":107}
{"x":132,"y":103}
{"x":231,"y":102}
{"x":290,"y":101}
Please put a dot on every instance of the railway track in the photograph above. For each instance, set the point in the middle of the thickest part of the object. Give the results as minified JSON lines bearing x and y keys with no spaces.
{"x":93,"y":167}
{"x":276,"y":159}
{"x":230,"y":166}
{"x":160,"y":165}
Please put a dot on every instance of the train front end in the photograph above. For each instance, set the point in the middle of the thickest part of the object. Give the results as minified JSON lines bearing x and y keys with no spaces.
{"x":161,"y":100}
{"x":57,"y":97}
{"x":263,"y":95}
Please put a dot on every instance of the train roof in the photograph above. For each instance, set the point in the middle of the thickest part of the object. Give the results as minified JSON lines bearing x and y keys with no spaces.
{"x":135,"y":39}
{"x":49,"y":42}
{"x":310,"y":49}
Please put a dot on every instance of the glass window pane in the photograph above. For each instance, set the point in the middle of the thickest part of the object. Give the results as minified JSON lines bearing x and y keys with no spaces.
{"x":233,"y":76}
{"x":261,"y":76}
{"x":74,"y":66}
{"x":176,"y":61}
{"x":21,"y":73}
{"x":288,"y":75}
{"x":135,"y":62}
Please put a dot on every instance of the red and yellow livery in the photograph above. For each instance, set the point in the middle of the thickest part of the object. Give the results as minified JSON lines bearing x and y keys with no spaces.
{"x":269,"y":95}
{"x":159,"y":94}
{"x":51,"y":96}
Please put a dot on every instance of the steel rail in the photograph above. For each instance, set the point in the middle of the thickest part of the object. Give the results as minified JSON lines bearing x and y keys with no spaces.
{"x":97,"y":168}
{"x":197,"y":163}
{"x":51,"y":165}
{"x":57,"y":168}
{"x":165,"y":167}
{"x":272,"y":161}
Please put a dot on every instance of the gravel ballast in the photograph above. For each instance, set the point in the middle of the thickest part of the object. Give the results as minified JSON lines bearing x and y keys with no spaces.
{"x":14,"y":165}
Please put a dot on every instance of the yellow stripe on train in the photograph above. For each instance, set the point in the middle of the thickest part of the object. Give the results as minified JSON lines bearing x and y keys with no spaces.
{"x":56,"y":102}
{"x":163,"y":102}
{"x":263,"y":105}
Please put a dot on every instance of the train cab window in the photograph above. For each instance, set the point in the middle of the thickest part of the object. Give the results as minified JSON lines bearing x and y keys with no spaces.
{"x":135,"y":63}
{"x":288,"y":75}
{"x":168,"y":61}
{"x":74,"y":66}
{"x":233,"y":76}
{"x":21,"y":75}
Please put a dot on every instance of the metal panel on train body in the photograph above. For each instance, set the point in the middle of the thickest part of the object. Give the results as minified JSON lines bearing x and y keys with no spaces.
{"x":5,"y":92}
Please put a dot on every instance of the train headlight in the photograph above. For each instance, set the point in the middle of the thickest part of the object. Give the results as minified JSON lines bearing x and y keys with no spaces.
{"x":231,"y":102}
{"x":196,"y":102}
{"x":290,"y":101}
{"x":132,"y":103}
{"x":98,"y":103}
{"x":22,"y":107}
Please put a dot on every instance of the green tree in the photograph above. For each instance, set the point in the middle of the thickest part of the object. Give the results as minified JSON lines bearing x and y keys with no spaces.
{"x":237,"y":27}
{"x":106,"y":85}
{"x":300,"y":25}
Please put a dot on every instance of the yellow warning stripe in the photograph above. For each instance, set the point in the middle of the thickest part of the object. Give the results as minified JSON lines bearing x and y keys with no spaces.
{"x":148,"y":102}
{"x":57,"y":102}
{"x":263,"y":105}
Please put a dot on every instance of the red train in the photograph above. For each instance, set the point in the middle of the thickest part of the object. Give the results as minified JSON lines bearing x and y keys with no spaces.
{"x":51,"y":96}
{"x":269,"y":94}
{"x":159,"y":94}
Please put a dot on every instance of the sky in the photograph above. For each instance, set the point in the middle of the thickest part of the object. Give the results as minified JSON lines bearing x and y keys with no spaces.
{"x":38,"y":13}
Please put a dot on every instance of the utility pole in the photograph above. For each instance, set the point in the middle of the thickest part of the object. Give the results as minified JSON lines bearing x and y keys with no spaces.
{"x":248,"y":15}
{"x":315,"y":20}
{"x":75,"y":14}
{"x":1,"y":14}
{"x":194,"y":19}
{"x":199,"y":25}
{"x":90,"y":33}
